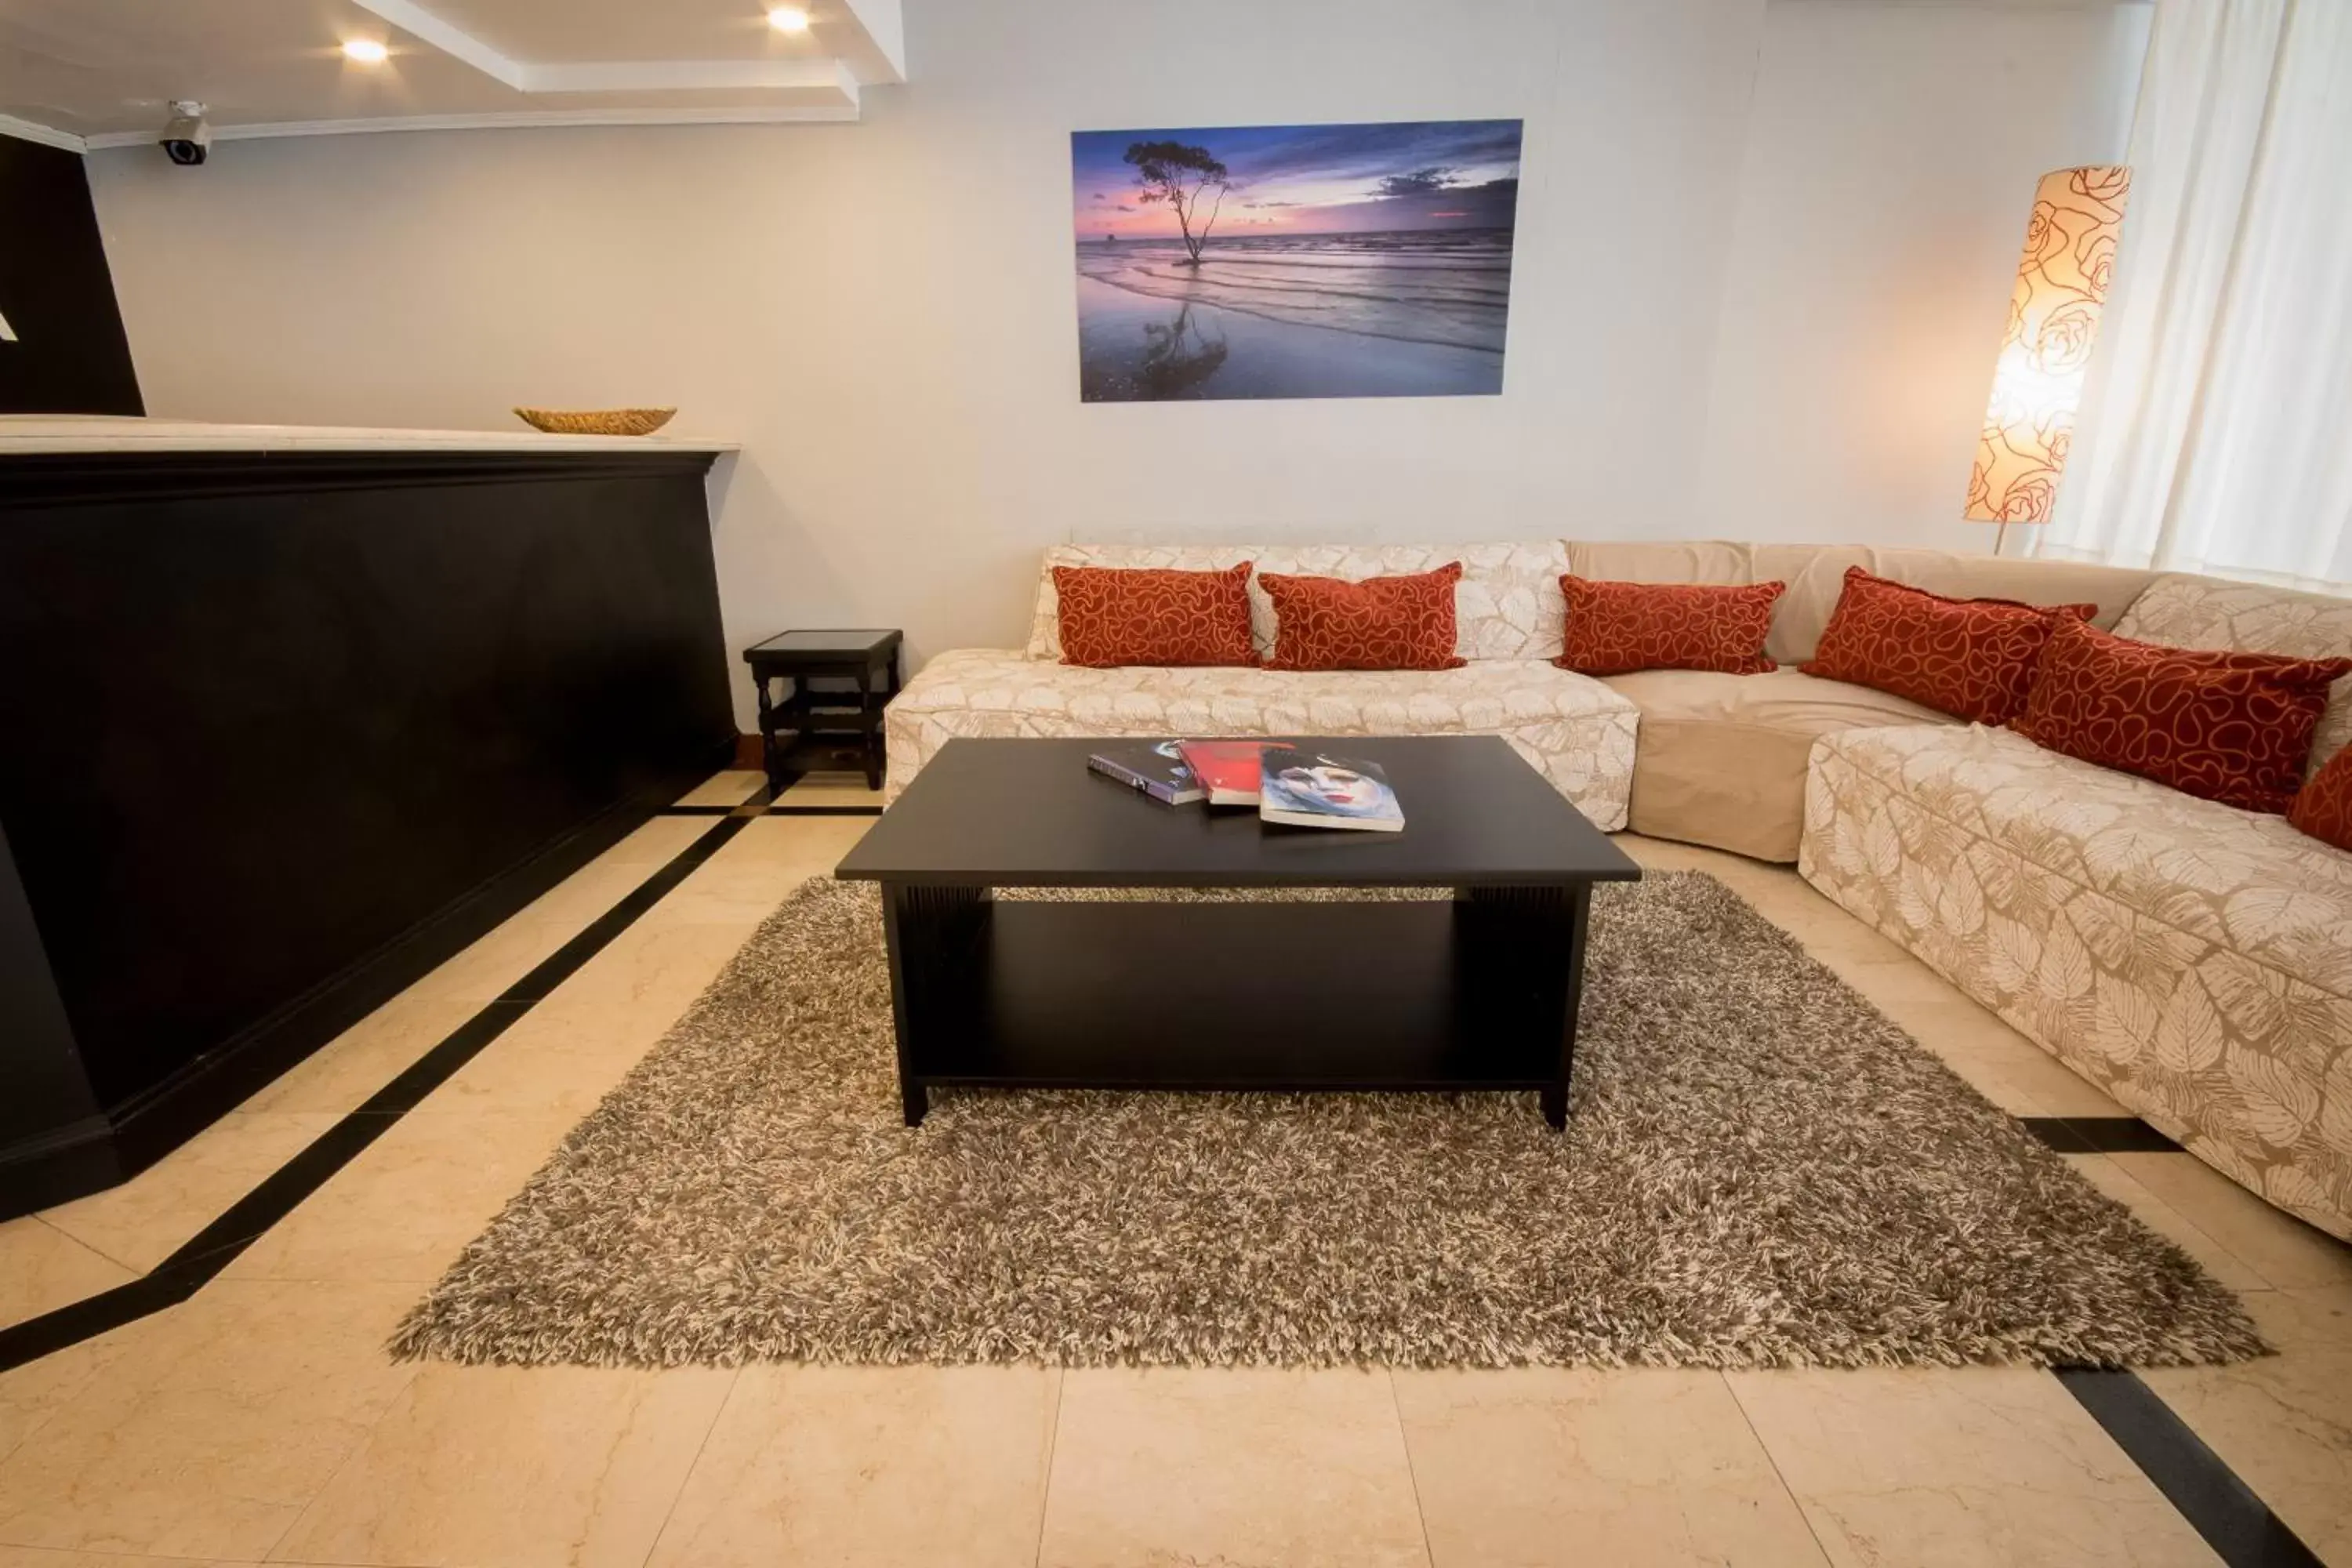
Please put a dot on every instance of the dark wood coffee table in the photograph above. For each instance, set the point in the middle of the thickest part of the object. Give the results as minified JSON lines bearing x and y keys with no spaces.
{"x":1476,"y":992}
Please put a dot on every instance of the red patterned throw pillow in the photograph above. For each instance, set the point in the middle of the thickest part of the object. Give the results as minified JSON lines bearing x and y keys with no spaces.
{"x":2322,"y":807}
{"x":2231,"y":727}
{"x":1115,"y":616}
{"x":1970,"y":658}
{"x":1381,"y":623}
{"x":1615,"y":628}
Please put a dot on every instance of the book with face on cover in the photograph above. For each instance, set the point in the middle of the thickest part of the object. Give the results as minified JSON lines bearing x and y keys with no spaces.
{"x":1305,"y":788}
{"x":1154,"y":769}
{"x":1228,"y":770}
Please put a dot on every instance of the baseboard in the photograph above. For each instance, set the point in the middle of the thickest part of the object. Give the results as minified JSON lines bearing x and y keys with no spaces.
{"x":100,"y":1152}
{"x":60,"y":1165}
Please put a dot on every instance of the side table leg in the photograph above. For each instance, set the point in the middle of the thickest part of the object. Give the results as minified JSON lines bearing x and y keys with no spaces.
{"x":766,"y":733}
{"x":929,"y":932}
{"x":873,"y":749}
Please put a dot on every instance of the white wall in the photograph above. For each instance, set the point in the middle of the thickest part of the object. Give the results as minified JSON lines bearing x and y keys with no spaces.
{"x":882,"y":313}
{"x":1891,"y":158}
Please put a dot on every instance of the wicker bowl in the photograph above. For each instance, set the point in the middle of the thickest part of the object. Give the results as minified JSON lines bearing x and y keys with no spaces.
{"x":596,"y":421}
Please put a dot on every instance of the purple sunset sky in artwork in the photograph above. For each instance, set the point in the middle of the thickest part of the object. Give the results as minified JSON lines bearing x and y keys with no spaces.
{"x":1315,"y":179}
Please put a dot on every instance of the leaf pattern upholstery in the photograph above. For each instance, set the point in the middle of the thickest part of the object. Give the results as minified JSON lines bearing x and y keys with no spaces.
{"x":2191,"y":959}
{"x":1575,"y":730}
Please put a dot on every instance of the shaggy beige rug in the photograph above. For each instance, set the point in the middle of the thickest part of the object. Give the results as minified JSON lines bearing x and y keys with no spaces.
{"x":1760,"y":1170}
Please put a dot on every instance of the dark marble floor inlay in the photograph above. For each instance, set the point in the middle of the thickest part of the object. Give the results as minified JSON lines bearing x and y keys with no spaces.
{"x":210,"y":1250}
{"x":2238,"y":1525}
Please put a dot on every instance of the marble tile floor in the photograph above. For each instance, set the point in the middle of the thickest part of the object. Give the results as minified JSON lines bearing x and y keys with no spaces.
{"x":260,"y":1422}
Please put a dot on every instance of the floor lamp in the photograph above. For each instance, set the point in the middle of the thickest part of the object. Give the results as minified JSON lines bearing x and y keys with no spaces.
{"x":2053,"y":318}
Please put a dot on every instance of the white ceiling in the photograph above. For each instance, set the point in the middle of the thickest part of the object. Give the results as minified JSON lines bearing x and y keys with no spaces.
{"x":103,"y":72}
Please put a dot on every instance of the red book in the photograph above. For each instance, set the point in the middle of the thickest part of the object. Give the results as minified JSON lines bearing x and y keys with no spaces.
{"x":1228,"y":770}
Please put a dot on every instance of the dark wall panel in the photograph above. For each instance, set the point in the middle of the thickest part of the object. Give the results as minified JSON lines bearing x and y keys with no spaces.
{"x":269,"y":714}
{"x":69,"y":355}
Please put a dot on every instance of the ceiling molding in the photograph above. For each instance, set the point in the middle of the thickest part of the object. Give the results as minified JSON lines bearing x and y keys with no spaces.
{"x":886,"y":25}
{"x":25,"y":130}
{"x":451,"y":40}
{"x":524,"y":120}
{"x":858,"y":42}
{"x":668,"y":76}
{"x":629,"y":76}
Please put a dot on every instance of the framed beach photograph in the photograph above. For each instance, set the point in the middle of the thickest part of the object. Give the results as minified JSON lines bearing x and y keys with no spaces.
{"x":1294,"y":260}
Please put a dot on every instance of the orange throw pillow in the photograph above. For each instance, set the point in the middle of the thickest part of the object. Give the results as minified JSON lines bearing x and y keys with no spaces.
{"x":1615,"y":628}
{"x":1114,"y":615}
{"x":2322,"y":807}
{"x":1381,"y":623}
{"x":2231,"y":727}
{"x":1970,"y":658}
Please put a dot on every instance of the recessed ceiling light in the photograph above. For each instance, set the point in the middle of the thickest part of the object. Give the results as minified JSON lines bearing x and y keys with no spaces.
{"x":365,"y":51}
{"x":788,"y":19}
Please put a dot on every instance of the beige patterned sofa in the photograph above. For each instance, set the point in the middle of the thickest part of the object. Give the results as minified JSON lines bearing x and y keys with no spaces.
{"x":2193,"y":959}
{"x":1577,"y":730}
{"x":1722,"y":758}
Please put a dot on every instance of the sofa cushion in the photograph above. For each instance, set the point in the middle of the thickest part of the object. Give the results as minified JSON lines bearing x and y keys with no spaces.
{"x":1816,"y":578}
{"x":2193,"y":959}
{"x":1379,"y":623}
{"x":1722,"y":757}
{"x":1506,"y":606}
{"x":1574,"y":730}
{"x":1972,"y":658}
{"x":2322,"y":807}
{"x":1615,"y":628}
{"x":2184,"y":611}
{"x":2229,"y":727}
{"x":1151,"y":615}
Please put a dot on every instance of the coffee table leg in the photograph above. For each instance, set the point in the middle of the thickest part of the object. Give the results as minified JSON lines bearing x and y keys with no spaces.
{"x":1580,"y":920}
{"x":1530,"y":941}
{"x":929,"y":932}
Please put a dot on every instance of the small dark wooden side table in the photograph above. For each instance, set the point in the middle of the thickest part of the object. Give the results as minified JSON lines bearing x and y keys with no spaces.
{"x":812,"y":724}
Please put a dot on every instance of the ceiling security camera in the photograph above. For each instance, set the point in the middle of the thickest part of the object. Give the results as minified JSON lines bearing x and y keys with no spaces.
{"x":185,"y":135}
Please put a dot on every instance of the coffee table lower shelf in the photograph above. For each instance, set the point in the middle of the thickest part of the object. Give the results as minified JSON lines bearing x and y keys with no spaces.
{"x":1477,"y":991}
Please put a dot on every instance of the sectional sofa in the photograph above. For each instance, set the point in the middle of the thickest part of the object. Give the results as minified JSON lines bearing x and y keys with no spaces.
{"x":2193,"y":959}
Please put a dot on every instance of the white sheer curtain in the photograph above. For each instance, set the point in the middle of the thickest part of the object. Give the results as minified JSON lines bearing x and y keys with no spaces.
{"x":2217,"y":435}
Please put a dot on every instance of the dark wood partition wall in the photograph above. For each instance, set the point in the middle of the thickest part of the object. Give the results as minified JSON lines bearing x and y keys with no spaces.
{"x":284,"y":732}
{"x":65,"y":352}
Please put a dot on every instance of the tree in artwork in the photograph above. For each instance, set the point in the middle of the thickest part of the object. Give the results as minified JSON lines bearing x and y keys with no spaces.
{"x":1181,"y":177}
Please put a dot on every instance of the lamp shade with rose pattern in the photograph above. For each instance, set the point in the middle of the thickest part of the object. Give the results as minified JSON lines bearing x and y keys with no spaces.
{"x":2054,"y":316}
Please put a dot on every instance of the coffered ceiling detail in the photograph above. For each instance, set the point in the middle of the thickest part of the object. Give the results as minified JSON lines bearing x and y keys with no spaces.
{"x":102,"y":73}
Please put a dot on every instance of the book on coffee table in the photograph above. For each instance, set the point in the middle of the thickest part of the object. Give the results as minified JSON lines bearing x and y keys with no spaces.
{"x":1307,"y":788}
{"x":1228,"y":770}
{"x":1155,"y":769}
